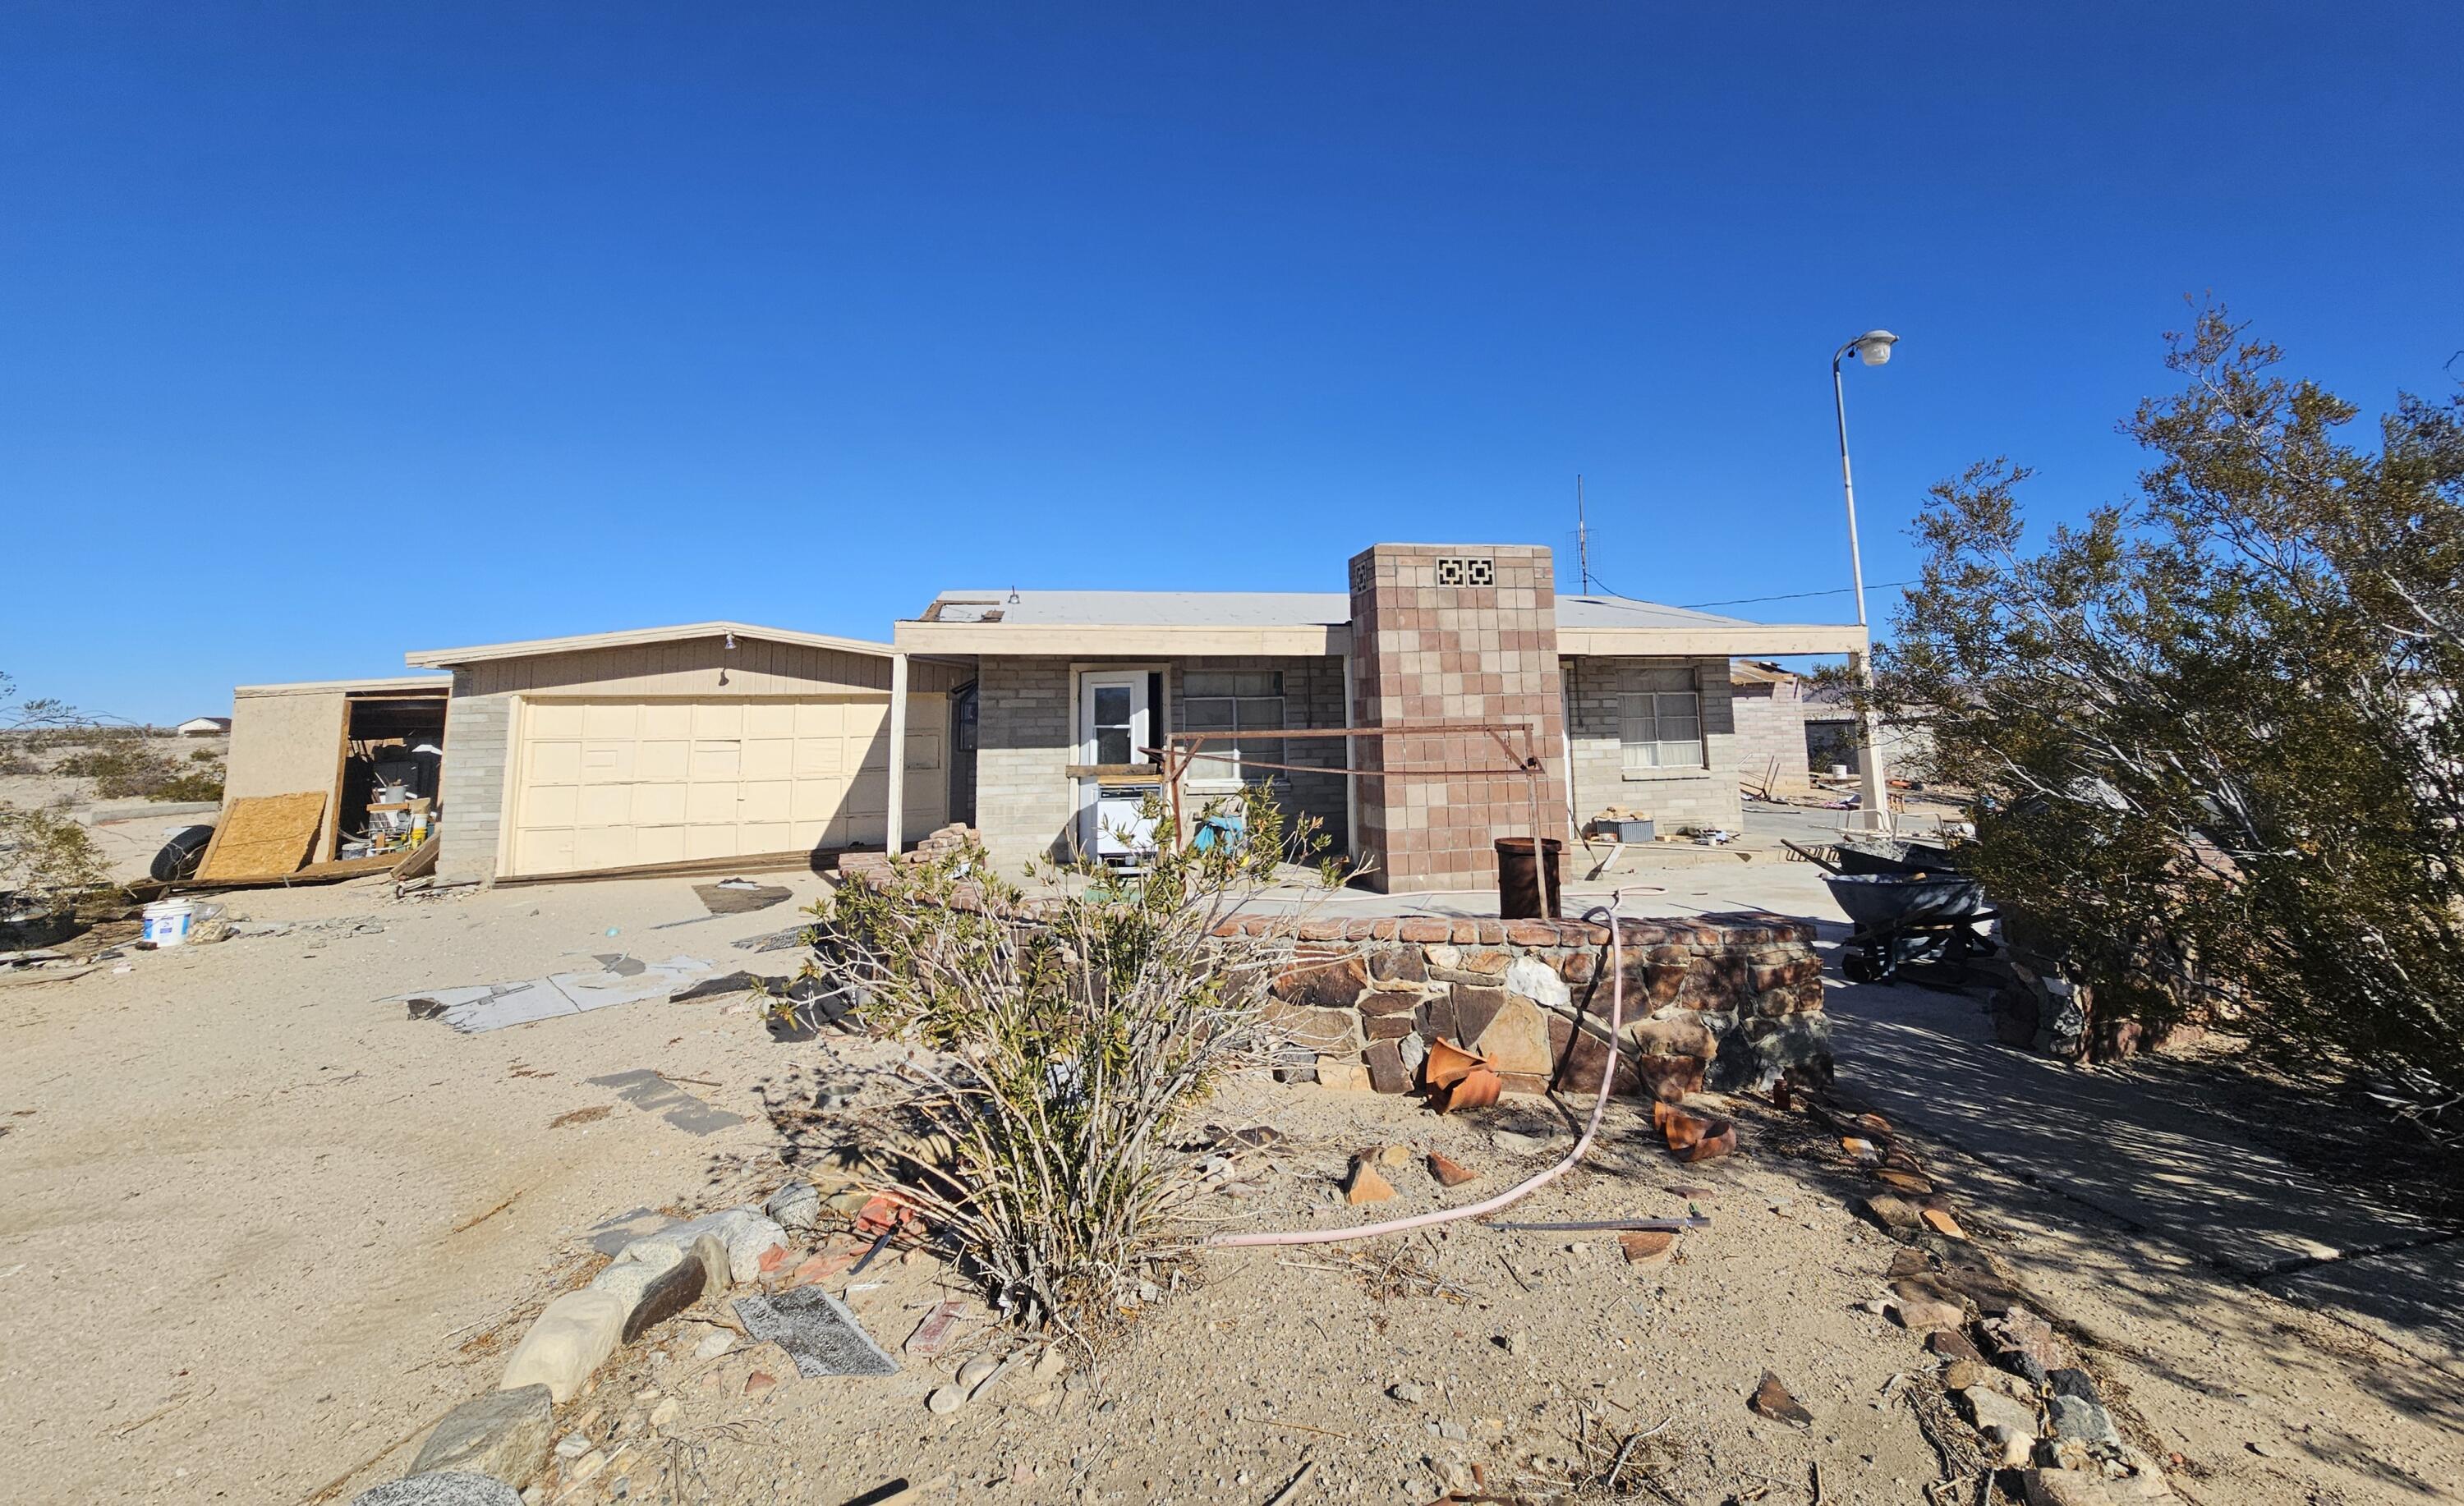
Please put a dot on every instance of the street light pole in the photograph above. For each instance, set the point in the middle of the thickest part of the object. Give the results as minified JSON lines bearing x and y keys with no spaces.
{"x":1874,"y":349}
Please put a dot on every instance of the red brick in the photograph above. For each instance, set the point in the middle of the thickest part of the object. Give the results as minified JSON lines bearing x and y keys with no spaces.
{"x":1421,"y":930}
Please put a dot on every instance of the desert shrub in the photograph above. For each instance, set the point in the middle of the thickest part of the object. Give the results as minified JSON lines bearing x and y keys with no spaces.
{"x":46,"y":856}
{"x":196,"y":784}
{"x":1079,"y":1029}
{"x":2215,"y":730}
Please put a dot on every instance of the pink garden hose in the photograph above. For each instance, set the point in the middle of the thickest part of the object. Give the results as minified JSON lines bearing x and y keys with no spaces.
{"x":1520,"y":1190}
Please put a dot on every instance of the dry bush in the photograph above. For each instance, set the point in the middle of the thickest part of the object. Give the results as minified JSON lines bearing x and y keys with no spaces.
{"x":1077,"y":1036}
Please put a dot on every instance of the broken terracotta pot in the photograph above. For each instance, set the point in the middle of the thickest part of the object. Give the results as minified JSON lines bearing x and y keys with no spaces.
{"x":1449,"y":1064}
{"x":1477,"y":1088}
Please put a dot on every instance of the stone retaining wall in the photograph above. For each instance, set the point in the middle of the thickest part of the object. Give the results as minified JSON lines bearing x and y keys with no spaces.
{"x":1716,"y":1001}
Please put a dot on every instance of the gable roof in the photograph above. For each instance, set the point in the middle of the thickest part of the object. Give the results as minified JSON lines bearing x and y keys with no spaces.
{"x":531,"y":647}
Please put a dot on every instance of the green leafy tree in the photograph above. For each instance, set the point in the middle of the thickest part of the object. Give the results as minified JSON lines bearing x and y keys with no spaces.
{"x":2213,"y":730}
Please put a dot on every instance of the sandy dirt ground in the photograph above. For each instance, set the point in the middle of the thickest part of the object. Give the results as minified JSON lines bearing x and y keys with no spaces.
{"x":258,"y":1230}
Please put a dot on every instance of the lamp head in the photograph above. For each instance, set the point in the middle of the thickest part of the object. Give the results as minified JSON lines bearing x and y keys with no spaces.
{"x":1874,"y":346}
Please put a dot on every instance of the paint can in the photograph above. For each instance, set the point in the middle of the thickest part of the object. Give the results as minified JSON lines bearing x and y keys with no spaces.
{"x":168,"y":922}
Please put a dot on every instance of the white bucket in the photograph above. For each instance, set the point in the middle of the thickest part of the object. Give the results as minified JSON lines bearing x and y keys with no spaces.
{"x":166,"y":922}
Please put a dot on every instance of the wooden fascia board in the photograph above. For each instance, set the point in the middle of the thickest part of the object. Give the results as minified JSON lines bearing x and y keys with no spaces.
{"x":1739,"y":641}
{"x":531,"y":649}
{"x":997,"y":640}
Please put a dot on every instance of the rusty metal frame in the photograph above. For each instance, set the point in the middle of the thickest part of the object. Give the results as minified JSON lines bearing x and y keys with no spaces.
{"x":1177,"y":761}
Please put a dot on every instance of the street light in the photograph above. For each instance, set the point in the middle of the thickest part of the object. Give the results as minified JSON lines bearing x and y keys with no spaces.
{"x":1874,"y":349}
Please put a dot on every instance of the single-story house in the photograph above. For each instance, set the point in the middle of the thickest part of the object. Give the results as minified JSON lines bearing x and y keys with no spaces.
{"x":204,"y":727}
{"x":1630,"y":704}
{"x":1024,"y":713}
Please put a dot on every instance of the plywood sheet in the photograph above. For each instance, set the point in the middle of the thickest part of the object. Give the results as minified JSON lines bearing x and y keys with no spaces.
{"x":263,"y":837}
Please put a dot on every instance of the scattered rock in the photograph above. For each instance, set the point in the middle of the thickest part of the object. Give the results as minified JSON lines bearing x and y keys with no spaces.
{"x":675,"y":1289}
{"x":1925,"y":1306}
{"x":713,"y":1343}
{"x":1941,"y":1223}
{"x":977,"y":1371}
{"x":2010,"y":1425}
{"x":759,"y":1383}
{"x":573,"y":1446}
{"x":585,"y":1467}
{"x":1952,"y":1344}
{"x":666,"y":1412}
{"x":1050,"y":1364}
{"x":1408,"y":1392}
{"x":2063,"y":1488}
{"x":796,"y":1207}
{"x":503,"y":1434}
{"x":569,"y":1339}
{"x":2072,"y":1381}
{"x":1449,"y":1171}
{"x":945,"y":1400}
{"x":1893,"y":1214}
{"x":1366,"y":1186}
{"x":748,"y":1243}
{"x":2075,"y":1417}
{"x":1391,"y":1158}
{"x":440,"y":1488}
{"x":1519,"y":1145}
{"x":1772,"y":1400}
{"x":1647,"y":1247}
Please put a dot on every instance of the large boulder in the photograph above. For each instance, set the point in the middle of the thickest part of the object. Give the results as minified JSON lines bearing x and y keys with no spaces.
{"x":570,"y":1339}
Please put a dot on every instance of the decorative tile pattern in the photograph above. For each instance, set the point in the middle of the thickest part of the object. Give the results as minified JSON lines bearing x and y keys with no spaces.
{"x":1465,"y":634}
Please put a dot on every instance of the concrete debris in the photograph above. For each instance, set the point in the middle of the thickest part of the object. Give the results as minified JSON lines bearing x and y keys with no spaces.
{"x":441,"y":1488}
{"x":816,"y":1331}
{"x":474,"y":1008}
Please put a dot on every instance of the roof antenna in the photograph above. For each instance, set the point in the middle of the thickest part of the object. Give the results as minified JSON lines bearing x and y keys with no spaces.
{"x":1582,"y":535}
{"x":1013,"y":596}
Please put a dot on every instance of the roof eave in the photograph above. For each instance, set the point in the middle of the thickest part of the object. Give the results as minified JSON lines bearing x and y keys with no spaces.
{"x":1724,"y":640}
{"x":531,"y":649}
{"x":1299,"y":639}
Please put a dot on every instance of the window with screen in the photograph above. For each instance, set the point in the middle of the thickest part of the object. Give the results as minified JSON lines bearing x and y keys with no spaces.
{"x":1246,"y":703}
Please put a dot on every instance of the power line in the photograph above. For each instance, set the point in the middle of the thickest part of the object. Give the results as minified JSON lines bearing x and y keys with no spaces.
{"x":1795,"y":595}
{"x":1748,"y":600}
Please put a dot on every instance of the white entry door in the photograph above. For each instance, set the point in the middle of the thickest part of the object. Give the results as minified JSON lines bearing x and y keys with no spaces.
{"x":1115,"y":723}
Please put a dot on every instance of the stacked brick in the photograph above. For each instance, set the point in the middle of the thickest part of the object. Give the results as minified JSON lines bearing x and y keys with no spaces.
{"x":1720,"y":1001}
{"x":1454,"y":633}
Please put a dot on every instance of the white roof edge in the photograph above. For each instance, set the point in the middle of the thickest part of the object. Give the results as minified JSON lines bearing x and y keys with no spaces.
{"x":399,"y":682}
{"x":442,"y":658}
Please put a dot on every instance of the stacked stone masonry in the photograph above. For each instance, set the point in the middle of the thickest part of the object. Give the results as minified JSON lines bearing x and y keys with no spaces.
{"x":1715,"y":1001}
{"x":1718,"y":1001}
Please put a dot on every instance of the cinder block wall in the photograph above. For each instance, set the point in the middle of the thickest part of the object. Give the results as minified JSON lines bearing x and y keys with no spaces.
{"x":477,"y":729}
{"x":1313,"y":698}
{"x":1024,"y":801}
{"x":1771,"y":724}
{"x":1462,"y":651}
{"x":1673,"y":798}
{"x":1026,"y":804}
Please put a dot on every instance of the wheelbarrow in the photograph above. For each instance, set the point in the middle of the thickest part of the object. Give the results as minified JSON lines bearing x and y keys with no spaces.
{"x":1908,"y":920}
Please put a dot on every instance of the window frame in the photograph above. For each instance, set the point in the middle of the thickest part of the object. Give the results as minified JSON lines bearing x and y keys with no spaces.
{"x":1640,"y":721}
{"x":1212,"y":776}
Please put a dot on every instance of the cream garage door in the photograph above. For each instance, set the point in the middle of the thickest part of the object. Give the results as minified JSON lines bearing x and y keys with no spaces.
{"x":612,"y":784}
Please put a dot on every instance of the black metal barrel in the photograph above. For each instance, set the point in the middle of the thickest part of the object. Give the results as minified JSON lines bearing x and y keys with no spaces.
{"x":1525,"y":889}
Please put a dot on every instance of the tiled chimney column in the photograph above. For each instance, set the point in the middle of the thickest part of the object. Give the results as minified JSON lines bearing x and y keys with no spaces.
{"x":1454,"y":633}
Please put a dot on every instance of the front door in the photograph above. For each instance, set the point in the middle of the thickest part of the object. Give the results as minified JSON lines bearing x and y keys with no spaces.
{"x":1114,"y":727}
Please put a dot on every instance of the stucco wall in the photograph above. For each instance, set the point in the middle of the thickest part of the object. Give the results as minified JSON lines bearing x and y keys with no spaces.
{"x":478,"y":721}
{"x":1674,"y":799}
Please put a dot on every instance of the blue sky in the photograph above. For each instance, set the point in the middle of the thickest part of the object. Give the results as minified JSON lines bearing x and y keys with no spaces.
{"x":328,"y":333}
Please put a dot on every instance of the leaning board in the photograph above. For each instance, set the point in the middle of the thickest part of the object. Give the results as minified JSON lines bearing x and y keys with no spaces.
{"x":263,"y":837}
